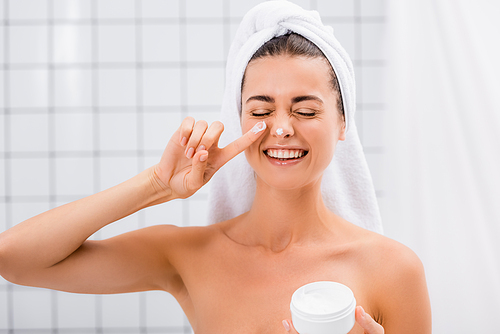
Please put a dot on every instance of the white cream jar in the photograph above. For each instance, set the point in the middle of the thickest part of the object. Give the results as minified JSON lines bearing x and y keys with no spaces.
{"x":323,"y":308}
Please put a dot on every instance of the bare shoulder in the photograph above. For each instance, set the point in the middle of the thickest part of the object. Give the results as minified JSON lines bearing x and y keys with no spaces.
{"x":398,"y":284}
{"x":390,"y":258}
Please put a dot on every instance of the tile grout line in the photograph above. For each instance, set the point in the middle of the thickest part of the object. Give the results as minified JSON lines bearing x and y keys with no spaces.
{"x":7,"y":160}
{"x":95,"y":135}
{"x":51,"y":140}
{"x":139,"y":80}
{"x":174,"y":22}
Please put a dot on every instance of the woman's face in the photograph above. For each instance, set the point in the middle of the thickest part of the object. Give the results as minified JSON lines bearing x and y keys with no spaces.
{"x":293,"y":95}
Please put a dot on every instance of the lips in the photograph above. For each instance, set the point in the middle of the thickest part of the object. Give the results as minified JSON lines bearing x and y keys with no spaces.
{"x":285,"y":154}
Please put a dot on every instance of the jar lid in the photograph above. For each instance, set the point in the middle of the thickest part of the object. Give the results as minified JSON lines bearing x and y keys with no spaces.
{"x":323,"y":301}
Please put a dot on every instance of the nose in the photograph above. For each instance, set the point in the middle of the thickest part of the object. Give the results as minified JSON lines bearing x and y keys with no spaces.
{"x":282,"y":128}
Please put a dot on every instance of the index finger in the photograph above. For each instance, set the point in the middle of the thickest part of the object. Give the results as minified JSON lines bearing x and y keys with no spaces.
{"x":241,"y":144}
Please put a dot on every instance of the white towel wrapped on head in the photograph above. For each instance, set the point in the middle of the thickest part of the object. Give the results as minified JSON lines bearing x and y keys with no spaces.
{"x":346,"y":186}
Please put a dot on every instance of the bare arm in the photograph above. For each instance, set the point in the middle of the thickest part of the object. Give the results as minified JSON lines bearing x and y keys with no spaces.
{"x":51,"y":250}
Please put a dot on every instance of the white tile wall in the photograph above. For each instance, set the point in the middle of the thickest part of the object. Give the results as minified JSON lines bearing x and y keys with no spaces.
{"x":2,"y":29}
{"x":121,"y":310}
{"x":161,"y":87}
{"x":74,"y":176}
{"x":205,"y":86}
{"x":117,"y":87}
{"x":373,"y":7}
{"x":3,"y":222}
{"x":160,"y":9}
{"x":373,"y":42}
{"x":29,"y":133}
{"x":28,"y":10}
{"x":116,"y":43}
{"x":29,"y":177}
{"x":2,"y":137}
{"x":28,"y":88}
{"x":303,"y":3}
{"x":30,"y":308}
{"x":72,"y":43}
{"x":114,"y":170}
{"x":76,"y":310}
{"x":71,"y":9}
{"x":167,"y":213}
{"x":212,"y":8}
{"x":372,"y":89}
{"x":115,"y":9}
{"x":72,"y":88}
{"x":158,"y":129}
{"x":337,"y":8}
{"x":3,"y":310}
{"x":238,"y":9}
{"x":163,"y":310}
{"x":205,"y":42}
{"x":160,"y":43}
{"x":28,"y":44}
{"x":117,"y":131}
{"x":73,"y":131}
{"x":97,"y":94}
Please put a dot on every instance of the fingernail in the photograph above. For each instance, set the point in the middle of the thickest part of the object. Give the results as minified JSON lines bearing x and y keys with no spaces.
{"x":204,"y":157}
{"x":190,"y":153}
{"x":201,"y":147}
{"x":286,"y":325}
{"x":259,"y":127}
{"x":184,"y":141}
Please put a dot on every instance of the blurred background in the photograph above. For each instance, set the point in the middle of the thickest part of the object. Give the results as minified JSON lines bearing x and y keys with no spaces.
{"x":91,"y":91}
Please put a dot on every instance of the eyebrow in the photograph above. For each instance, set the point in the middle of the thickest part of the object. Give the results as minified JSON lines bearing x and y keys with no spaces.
{"x":306,"y":98}
{"x":263,"y":98}
{"x":297,"y":99}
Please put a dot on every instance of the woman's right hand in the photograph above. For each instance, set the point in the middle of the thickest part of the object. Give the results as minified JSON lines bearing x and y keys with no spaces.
{"x":192,"y":156}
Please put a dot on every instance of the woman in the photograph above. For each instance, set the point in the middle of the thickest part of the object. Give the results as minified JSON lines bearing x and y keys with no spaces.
{"x":237,"y":275}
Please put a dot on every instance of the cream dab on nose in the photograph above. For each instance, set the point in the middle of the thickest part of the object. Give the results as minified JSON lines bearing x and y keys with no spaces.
{"x":279,"y":131}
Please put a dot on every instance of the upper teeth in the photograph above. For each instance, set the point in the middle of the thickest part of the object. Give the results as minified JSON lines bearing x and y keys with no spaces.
{"x":285,"y":154}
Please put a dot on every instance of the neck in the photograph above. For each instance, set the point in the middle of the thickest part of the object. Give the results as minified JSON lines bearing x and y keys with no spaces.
{"x":281,"y":217}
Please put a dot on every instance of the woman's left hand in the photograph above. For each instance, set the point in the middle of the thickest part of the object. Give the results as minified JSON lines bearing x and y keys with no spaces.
{"x":366,"y":322}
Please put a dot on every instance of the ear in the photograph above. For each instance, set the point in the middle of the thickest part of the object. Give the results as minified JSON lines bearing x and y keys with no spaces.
{"x":342,"y":132}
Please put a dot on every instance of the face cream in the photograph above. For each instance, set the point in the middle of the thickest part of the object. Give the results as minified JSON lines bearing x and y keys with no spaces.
{"x":323,"y":308}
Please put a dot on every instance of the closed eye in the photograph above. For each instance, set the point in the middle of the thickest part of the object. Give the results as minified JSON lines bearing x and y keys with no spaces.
{"x":306,"y":113}
{"x":260,"y":114}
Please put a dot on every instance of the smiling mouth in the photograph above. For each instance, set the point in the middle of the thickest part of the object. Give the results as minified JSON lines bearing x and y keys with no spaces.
{"x":285,"y":155}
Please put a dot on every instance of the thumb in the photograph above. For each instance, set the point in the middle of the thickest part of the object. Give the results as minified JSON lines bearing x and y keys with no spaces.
{"x":289,"y":326}
{"x":241,"y":144}
{"x":369,"y":325}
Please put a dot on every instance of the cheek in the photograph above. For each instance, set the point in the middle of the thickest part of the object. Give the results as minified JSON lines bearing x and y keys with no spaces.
{"x":247,"y":124}
{"x":325,"y":139}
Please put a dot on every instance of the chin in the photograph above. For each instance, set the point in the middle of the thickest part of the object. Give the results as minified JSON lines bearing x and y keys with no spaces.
{"x":287,"y":181}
